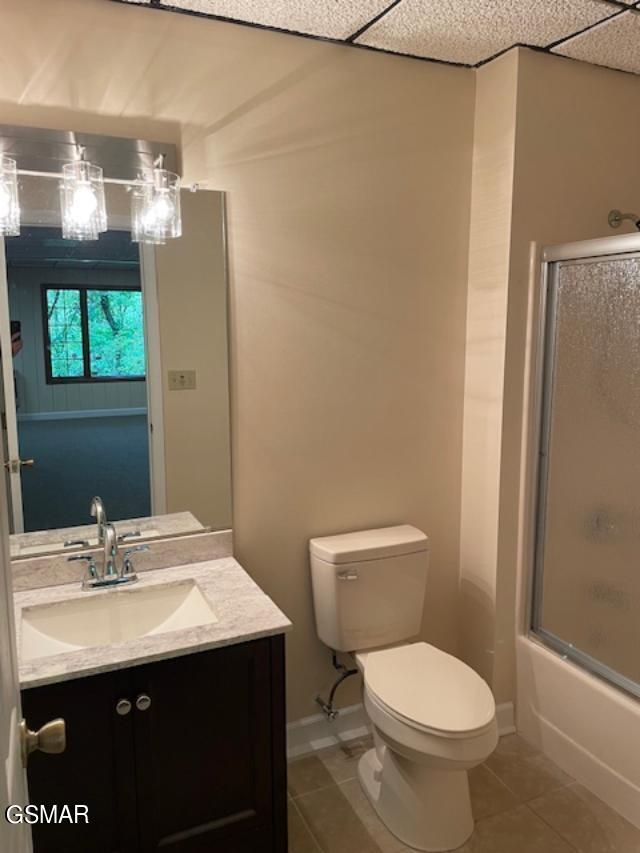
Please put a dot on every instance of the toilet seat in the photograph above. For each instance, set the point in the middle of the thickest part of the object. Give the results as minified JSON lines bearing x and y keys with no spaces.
{"x":429,"y":690}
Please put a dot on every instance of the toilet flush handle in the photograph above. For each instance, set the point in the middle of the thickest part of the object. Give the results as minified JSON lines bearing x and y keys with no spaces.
{"x":348,"y":575}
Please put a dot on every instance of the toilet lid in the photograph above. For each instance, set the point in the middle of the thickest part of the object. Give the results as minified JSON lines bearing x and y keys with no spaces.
{"x":429,"y":688}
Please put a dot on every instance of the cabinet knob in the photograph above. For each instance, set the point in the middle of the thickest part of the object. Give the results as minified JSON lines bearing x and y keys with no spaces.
{"x":143,"y":702}
{"x":123,"y":707}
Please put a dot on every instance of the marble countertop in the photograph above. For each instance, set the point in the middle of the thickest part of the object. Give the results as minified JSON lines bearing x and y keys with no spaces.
{"x":244,"y":612}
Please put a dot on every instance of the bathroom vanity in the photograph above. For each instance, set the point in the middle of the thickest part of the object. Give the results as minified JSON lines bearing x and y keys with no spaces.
{"x":175,"y":739}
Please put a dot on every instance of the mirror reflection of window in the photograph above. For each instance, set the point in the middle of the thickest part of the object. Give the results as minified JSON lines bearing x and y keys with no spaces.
{"x":94,"y":335}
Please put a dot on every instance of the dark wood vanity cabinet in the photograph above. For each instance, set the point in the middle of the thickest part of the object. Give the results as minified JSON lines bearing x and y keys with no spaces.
{"x":197,"y":765}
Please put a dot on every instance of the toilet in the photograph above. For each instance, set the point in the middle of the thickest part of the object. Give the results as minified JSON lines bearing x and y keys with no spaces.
{"x":433,"y":717}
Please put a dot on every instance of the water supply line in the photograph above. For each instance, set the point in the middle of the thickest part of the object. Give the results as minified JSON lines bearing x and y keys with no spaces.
{"x":327,"y":707}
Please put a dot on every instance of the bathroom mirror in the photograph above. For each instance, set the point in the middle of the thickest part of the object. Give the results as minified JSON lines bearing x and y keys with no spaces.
{"x":114,"y":367}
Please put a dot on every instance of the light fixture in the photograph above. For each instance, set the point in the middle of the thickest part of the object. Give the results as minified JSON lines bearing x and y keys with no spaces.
{"x":9,"y":205}
{"x":84,"y":214}
{"x":155,"y":200}
{"x":139,"y":206}
{"x":155,"y":205}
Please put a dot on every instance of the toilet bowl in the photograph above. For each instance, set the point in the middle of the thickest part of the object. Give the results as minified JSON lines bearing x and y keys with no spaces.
{"x":433,"y":719}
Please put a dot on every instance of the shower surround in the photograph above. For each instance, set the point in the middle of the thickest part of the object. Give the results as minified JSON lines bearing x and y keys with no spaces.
{"x":578,"y":654}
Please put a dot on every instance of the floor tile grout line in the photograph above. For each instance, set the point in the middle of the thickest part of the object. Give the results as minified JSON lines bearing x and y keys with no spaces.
{"x":346,"y":781}
{"x":312,"y":791}
{"x":307,"y":827}
{"x":557,"y":787}
{"x":552,"y":828}
{"x":359,"y":819}
{"x":528,"y":800}
{"x":333,"y":784}
{"x":502,"y":782}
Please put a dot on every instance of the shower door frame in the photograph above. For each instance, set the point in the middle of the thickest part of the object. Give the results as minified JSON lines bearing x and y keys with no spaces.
{"x":587,"y":251}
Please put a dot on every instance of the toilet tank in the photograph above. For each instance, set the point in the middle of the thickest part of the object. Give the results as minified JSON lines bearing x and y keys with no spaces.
{"x":369,"y":586}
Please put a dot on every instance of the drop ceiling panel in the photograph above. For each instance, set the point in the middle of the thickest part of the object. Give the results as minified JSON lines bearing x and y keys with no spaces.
{"x":470,"y":31}
{"x":336,"y":19}
{"x":615,"y":43}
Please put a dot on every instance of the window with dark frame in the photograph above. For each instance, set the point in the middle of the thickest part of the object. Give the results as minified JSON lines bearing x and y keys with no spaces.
{"x":93,"y":334}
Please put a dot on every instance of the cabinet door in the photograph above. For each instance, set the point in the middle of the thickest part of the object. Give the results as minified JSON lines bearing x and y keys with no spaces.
{"x":96,"y":769}
{"x":204,"y":752}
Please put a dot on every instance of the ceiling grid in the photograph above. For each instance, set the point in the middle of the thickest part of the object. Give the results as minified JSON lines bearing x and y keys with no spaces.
{"x":459,"y":32}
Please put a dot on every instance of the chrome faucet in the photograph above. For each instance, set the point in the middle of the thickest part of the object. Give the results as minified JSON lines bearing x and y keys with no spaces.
{"x":110,"y":551}
{"x":108,"y":574}
{"x":98,"y":512}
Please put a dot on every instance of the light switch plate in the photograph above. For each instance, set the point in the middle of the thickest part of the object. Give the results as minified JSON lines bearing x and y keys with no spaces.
{"x":182,"y":380}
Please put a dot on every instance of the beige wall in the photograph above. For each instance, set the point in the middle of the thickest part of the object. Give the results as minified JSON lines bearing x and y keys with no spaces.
{"x":348,"y":175}
{"x":348,"y":218}
{"x":192,"y":302}
{"x":489,"y":246}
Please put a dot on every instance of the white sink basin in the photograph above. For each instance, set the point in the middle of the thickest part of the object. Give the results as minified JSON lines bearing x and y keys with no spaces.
{"x":113,"y":616}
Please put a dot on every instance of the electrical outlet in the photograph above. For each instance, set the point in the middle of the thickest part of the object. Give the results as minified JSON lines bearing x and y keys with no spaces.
{"x":182,"y":380}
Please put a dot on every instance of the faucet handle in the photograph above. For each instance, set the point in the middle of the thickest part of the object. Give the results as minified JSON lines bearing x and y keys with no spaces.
{"x":130,"y":534}
{"x":134,"y":548}
{"x":127,"y":564}
{"x":90,"y":560}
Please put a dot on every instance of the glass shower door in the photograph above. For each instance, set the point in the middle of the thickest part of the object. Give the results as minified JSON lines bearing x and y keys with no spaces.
{"x":586,"y":601}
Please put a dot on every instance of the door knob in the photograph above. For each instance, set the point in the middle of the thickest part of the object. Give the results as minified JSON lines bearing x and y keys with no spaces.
{"x":143,"y":702}
{"x":14,"y":465}
{"x":51,"y":738}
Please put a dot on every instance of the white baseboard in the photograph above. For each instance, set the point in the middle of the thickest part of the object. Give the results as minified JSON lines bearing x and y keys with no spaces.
{"x":81,"y":414}
{"x":317,"y":732}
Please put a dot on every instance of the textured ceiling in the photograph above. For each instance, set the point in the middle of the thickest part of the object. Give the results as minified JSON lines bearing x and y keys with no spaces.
{"x":467,"y":32}
{"x":616,"y":44}
{"x":474,"y":30}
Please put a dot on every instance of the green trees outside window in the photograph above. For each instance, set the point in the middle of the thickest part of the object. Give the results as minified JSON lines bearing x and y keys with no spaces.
{"x":93,"y":335}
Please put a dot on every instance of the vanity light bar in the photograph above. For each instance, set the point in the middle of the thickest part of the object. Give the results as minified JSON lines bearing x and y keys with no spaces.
{"x":123,"y":182}
{"x":155,"y":200}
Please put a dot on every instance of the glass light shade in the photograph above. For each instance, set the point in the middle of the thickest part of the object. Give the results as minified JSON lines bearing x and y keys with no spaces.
{"x":84,"y":213}
{"x":155,"y":207}
{"x":9,"y":204}
{"x":138,"y":209}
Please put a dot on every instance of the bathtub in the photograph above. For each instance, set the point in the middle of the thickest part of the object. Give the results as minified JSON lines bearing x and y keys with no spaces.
{"x":590,"y":729}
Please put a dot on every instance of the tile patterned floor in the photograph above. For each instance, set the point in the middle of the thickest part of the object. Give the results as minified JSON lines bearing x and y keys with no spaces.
{"x":522,"y":803}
